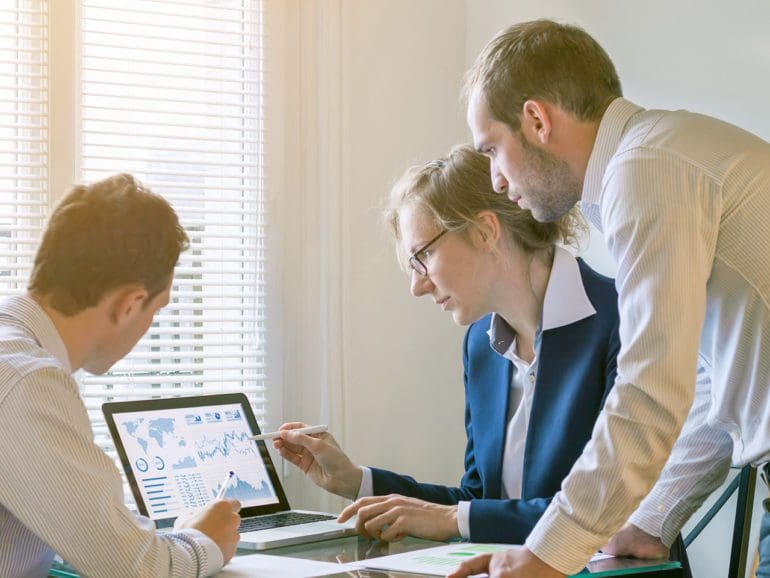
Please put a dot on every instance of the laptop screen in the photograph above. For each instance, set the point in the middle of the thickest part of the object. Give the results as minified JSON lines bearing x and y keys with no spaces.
{"x":177,"y":452}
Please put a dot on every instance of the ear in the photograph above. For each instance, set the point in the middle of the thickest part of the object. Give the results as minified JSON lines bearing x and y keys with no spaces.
{"x":486,"y":233}
{"x":126,"y":302}
{"x":535,"y":121}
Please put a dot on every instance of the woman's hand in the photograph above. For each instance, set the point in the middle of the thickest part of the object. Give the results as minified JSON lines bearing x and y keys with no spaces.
{"x":322,"y":460}
{"x":392,"y":517}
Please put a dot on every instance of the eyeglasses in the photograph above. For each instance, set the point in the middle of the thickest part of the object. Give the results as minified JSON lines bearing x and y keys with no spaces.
{"x":414,"y":260}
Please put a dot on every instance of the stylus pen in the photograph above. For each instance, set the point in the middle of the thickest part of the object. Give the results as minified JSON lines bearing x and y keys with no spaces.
{"x":225,"y":485}
{"x":311,"y":429}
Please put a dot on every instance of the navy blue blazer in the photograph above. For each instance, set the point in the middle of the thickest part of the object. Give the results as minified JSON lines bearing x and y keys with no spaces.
{"x":577,"y":368}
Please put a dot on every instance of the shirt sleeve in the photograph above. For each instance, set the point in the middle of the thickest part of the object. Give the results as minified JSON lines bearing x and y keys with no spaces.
{"x":464,"y":519}
{"x":699,"y":464}
{"x":206,"y":547}
{"x":660,"y":218}
{"x":367,"y":485}
{"x":68,"y":492}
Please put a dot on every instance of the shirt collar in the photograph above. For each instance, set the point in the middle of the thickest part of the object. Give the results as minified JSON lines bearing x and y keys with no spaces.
{"x":611,"y":129}
{"x":565,"y":302}
{"x":501,"y":335}
{"x":29,"y":313}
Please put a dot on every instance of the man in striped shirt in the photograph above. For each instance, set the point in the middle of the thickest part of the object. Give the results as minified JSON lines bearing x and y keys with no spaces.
{"x":683,"y":201}
{"x":104,"y":267}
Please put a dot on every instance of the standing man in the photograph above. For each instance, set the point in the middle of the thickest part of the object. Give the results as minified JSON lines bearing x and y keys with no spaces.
{"x":683,"y":201}
{"x":103,"y":269}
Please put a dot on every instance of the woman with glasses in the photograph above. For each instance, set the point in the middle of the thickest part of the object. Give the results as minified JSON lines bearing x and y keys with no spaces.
{"x":539,"y":360}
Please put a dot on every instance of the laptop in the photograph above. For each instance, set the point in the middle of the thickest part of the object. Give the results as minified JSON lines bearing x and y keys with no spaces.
{"x":177,"y":453}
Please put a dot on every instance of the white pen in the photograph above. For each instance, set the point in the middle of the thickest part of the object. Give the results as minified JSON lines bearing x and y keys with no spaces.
{"x":311,"y":429}
{"x":225,"y":485}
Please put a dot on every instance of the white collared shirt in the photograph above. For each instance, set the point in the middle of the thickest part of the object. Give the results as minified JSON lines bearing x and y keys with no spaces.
{"x":58,"y":491}
{"x":683,"y":201}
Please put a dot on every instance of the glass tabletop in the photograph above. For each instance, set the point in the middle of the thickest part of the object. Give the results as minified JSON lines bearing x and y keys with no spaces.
{"x":341,"y":550}
{"x":356,"y":549}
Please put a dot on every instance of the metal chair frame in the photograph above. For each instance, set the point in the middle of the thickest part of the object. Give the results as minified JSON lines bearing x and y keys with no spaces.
{"x":745,"y":483}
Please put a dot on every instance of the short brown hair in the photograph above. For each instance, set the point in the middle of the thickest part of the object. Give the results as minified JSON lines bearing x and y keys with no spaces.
{"x":453,"y":191}
{"x":543,"y":59}
{"x":102,"y":236}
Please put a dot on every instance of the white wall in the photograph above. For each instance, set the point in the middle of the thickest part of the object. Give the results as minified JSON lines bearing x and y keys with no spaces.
{"x":370,"y":89}
{"x":709,"y":56}
{"x":402,"y":66}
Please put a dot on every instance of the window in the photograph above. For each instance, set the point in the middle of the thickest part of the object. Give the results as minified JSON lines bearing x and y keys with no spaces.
{"x":23,"y":137}
{"x":171,"y":91}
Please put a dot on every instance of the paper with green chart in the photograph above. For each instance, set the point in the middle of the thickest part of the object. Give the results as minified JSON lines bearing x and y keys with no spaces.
{"x":441,"y":560}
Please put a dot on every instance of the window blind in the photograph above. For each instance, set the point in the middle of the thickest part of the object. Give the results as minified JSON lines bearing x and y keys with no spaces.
{"x":23,"y":137}
{"x":171,"y":91}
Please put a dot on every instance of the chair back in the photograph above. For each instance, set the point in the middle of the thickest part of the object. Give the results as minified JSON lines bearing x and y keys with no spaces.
{"x":745,"y":483}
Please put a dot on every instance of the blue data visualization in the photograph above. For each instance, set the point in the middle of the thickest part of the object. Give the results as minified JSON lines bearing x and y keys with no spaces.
{"x":179,"y":457}
{"x":243,"y":491}
{"x":224,"y":445}
{"x":185,"y":463}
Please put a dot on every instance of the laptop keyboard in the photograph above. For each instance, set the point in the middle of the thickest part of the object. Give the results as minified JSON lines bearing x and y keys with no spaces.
{"x":281,"y":519}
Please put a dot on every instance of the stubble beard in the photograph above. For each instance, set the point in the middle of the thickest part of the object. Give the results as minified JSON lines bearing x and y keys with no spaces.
{"x":549,"y":185}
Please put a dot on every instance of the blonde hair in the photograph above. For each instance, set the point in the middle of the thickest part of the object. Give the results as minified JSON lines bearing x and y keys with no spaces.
{"x":453,"y":191}
{"x":543,"y":60}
